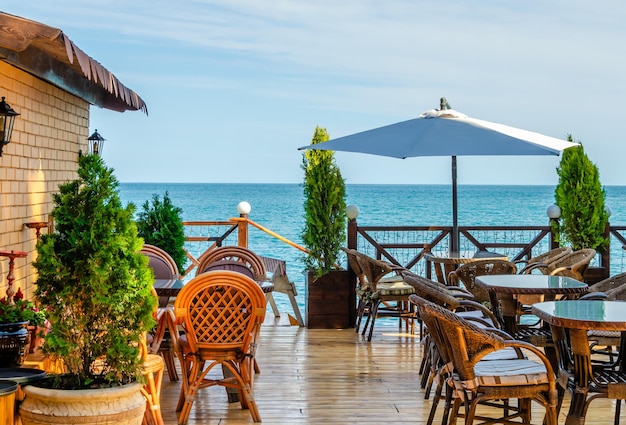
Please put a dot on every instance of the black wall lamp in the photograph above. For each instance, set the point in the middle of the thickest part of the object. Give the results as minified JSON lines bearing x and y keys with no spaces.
{"x":96,"y":143}
{"x":7,"y":117}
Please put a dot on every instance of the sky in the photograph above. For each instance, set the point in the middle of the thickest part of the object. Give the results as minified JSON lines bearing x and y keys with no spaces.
{"x":234,"y":87}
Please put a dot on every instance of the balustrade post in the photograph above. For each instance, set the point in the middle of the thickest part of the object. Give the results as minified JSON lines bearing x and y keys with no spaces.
{"x":242,"y":231}
{"x":605,"y":253}
{"x":243,"y":208}
{"x":553,"y":243}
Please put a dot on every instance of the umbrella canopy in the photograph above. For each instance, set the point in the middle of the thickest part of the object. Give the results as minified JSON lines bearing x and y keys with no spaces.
{"x":446,"y":132}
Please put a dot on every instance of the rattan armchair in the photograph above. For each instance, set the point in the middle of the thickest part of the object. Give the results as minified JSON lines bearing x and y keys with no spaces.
{"x":379,"y":283}
{"x":572,"y":265}
{"x":467,"y":273}
{"x":474,"y":381}
{"x":221,"y":313}
{"x":543,"y":258}
{"x":433,"y":366}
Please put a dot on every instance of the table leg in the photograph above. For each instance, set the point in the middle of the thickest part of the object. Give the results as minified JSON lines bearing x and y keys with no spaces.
{"x":581,"y":355}
{"x":508,"y":312}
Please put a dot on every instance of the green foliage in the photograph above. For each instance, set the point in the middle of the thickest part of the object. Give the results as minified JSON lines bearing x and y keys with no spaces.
{"x":160,"y":224}
{"x":96,"y":284}
{"x":324,"y":207}
{"x":580,"y":196}
{"x":16,"y":309}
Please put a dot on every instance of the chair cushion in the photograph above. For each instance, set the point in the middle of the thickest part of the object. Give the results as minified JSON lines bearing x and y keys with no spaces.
{"x":509,"y":372}
{"x":394,"y":288}
{"x":391,"y":279}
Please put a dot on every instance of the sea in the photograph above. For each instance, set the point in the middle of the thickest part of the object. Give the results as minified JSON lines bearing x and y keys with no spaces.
{"x":279,"y":207}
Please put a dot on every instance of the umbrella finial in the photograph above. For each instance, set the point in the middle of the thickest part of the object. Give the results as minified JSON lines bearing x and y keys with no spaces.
{"x":443,"y":104}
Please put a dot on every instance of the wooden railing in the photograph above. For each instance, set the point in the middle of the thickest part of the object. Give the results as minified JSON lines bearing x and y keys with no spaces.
{"x":408,"y":245}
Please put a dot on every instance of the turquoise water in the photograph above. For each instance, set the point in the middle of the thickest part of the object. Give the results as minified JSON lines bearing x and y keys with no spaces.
{"x":279,"y":208}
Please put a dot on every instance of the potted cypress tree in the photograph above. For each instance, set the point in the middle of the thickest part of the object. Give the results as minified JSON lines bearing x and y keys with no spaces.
{"x":330,"y":292}
{"x":581,"y":198}
{"x":97,"y":289}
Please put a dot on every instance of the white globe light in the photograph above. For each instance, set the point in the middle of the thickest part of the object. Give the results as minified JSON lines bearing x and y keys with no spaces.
{"x":553,"y":211}
{"x":244,"y":208}
{"x":608,"y":210}
{"x":352,"y":212}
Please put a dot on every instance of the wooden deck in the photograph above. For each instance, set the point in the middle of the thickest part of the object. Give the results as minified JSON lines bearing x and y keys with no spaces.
{"x":334,"y":377}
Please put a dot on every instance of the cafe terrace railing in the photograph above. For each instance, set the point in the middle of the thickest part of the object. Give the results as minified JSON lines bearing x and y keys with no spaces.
{"x":404,"y":245}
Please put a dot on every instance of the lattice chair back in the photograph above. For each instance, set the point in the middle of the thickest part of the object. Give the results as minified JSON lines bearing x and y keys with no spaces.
{"x":234,"y":253}
{"x":220,"y":310}
{"x":467,"y":273}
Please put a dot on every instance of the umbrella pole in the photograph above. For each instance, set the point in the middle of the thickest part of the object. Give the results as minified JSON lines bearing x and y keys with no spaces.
{"x":455,"y":239}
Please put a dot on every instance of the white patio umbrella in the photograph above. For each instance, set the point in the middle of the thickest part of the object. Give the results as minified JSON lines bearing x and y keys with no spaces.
{"x":446,"y":132}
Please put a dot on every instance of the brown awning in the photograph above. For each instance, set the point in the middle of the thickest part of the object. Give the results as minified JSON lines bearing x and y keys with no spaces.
{"x":49,"y":54}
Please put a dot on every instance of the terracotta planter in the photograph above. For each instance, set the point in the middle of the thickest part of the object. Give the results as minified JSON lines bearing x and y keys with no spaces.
{"x":123,"y":405}
{"x":330,"y":300}
{"x":37,"y":335}
{"x":14,"y":343}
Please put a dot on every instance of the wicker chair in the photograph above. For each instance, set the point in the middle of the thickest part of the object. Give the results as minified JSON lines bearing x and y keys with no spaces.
{"x":379,"y":283}
{"x":164,"y":267}
{"x":475,"y":381}
{"x":152,"y":371}
{"x":467,"y":273}
{"x":221,"y":313}
{"x":162,"y":264}
{"x":433,"y":366}
{"x":232,"y":258}
{"x":572,"y":265}
{"x":544,"y":258}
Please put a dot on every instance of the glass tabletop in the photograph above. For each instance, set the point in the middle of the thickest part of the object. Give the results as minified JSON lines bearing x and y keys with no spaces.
{"x":530,"y":282}
{"x":583,"y":314}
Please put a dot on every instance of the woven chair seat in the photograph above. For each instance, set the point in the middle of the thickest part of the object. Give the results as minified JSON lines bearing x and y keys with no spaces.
{"x":604,"y":334}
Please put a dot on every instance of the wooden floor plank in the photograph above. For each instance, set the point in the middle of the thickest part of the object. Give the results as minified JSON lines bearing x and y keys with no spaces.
{"x":335,"y":377}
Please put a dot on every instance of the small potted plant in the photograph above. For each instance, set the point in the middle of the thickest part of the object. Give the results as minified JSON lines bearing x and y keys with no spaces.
{"x":97,"y":287}
{"x":16,"y":314}
{"x":330,"y":292}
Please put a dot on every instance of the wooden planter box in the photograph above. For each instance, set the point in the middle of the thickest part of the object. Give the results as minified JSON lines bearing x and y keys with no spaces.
{"x":595,"y":274}
{"x":330,"y":300}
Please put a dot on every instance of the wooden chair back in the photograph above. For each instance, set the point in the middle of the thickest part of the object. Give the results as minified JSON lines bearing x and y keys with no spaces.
{"x":239,"y":254}
{"x":161,"y":263}
{"x":467,"y":273}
